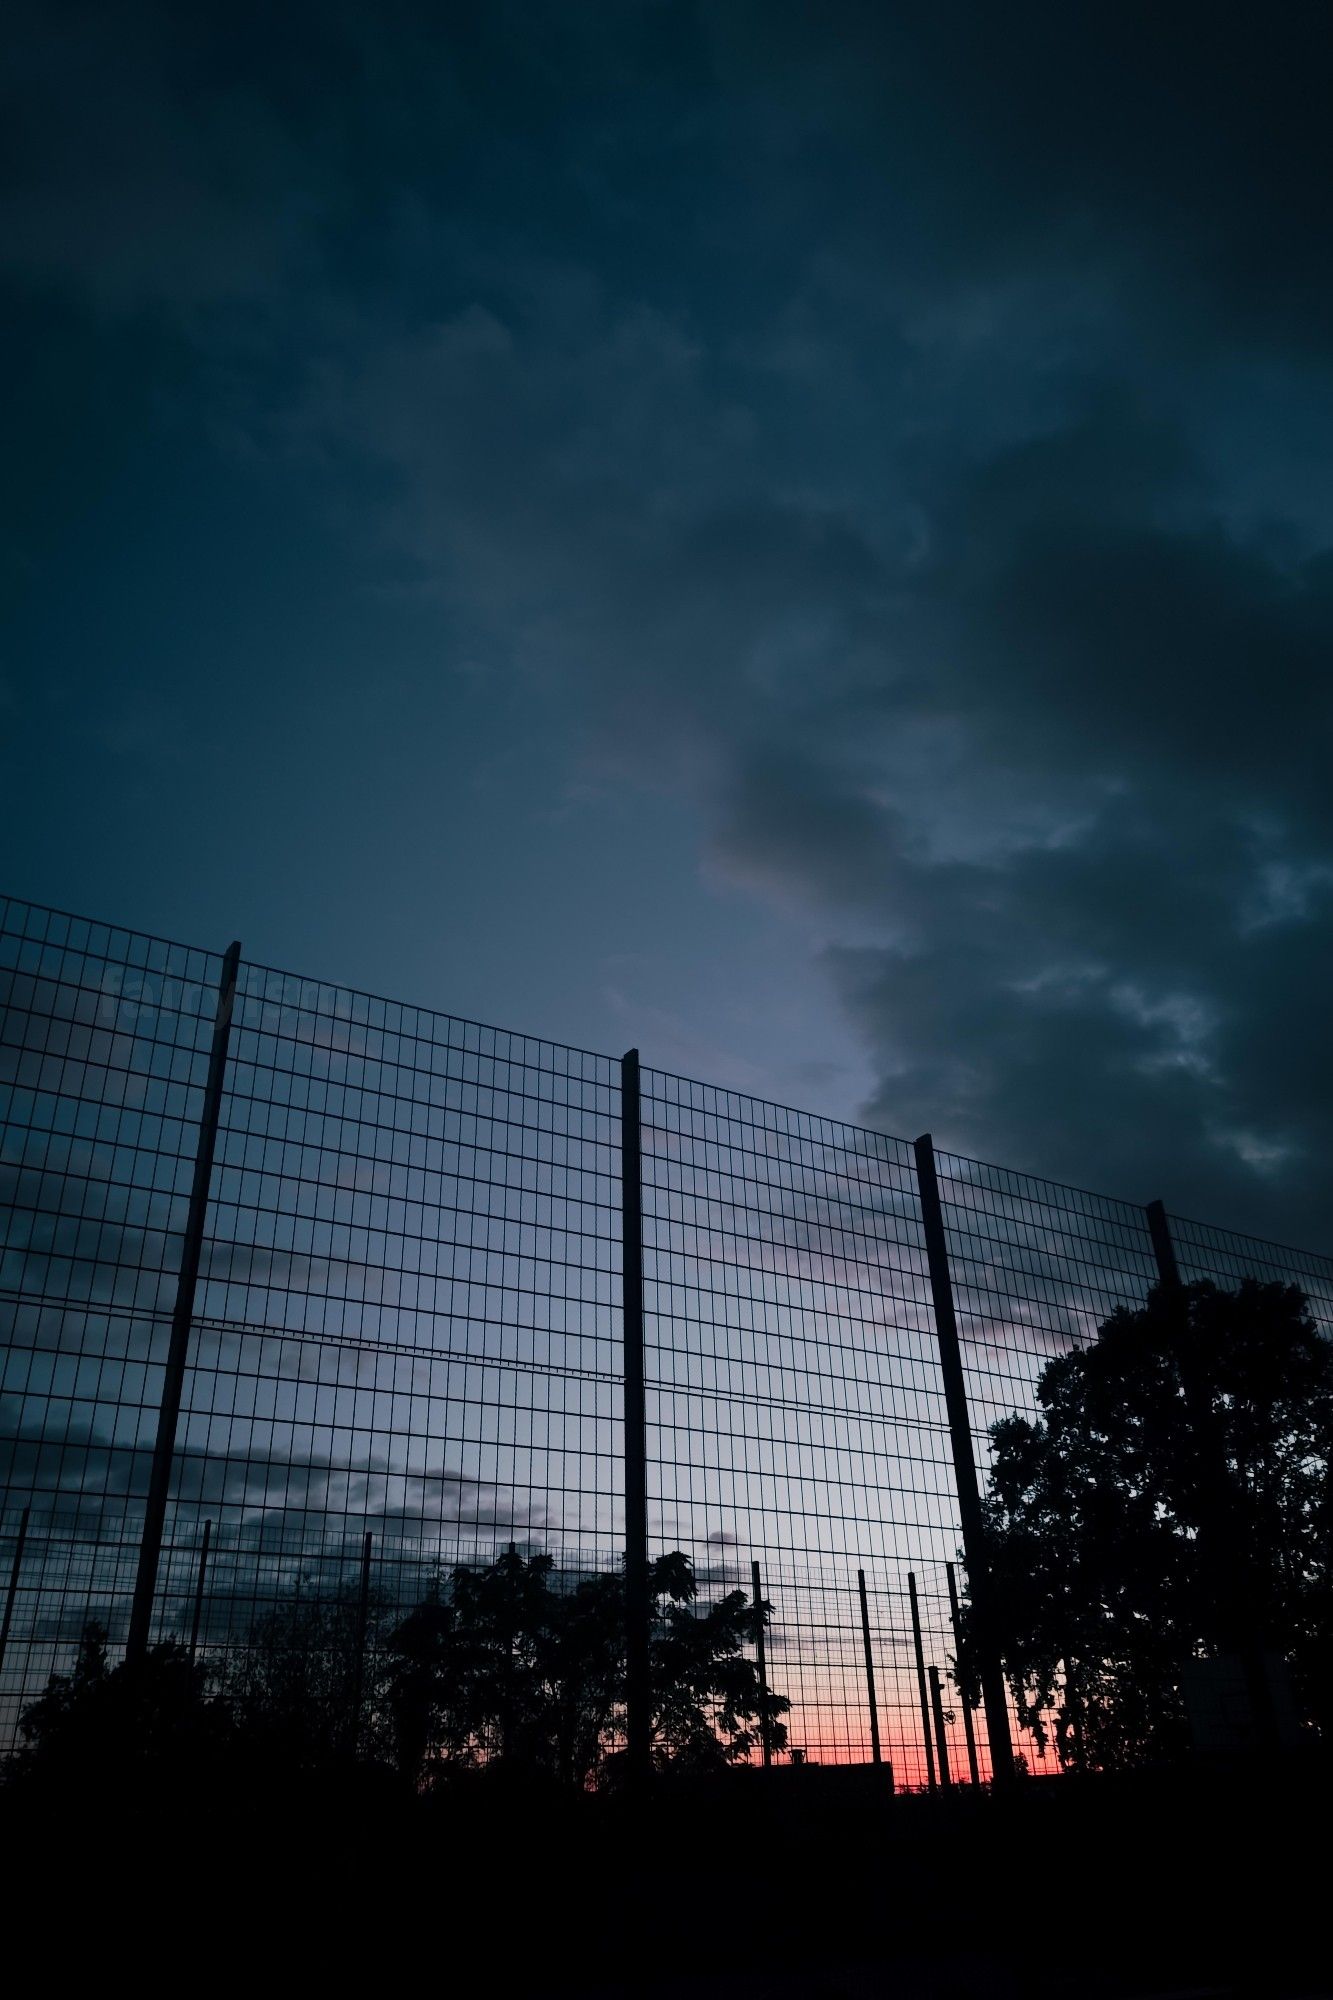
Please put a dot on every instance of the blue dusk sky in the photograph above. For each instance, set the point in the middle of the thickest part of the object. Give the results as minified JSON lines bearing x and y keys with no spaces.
{"x":794,"y":537}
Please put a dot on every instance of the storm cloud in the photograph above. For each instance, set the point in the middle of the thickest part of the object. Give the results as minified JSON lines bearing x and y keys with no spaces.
{"x":893,"y":440}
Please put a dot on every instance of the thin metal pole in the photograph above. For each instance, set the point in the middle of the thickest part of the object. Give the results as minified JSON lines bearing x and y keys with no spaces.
{"x":937,"y":1705}
{"x":12,"y":1591}
{"x":761,"y":1662}
{"x":921,"y":1680}
{"x":159,"y":1484}
{"x":990,"y":1667}
{"x":638,"y":1683}
{"x":362,"y":1622}
{"x":870,"y":1669}
{"x":968,"y":1731}
{"x":199,"y":1591}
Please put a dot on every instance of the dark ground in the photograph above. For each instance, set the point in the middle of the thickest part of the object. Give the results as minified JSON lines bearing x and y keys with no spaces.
{"x":795,"y":1883}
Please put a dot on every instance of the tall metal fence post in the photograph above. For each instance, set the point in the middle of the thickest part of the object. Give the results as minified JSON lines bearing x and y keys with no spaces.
{"x":990,"y":1669}
{"x":1163,"y":1249}
{"x":922,"y":1695}
{"x":941,"y":1742}
{"x":199,"y":1591}
{"x":968,"y":1731}
{"x":159,"y":1483}
{"x":761,"y":1662}
{"x":870,"y":1669}
{"x":13,"y":1589}
{"x":638,"y":1683}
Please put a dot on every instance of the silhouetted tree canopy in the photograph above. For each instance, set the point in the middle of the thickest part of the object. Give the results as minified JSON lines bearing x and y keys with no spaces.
{"x":504,"y":1666}
{"x":303,"y":1691}
{"x":507,"y":1666}
{"x":1171,"y":1502}
{"x":105,"y":1728}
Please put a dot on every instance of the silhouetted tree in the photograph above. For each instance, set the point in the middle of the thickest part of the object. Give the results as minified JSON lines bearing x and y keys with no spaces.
{"x":1171,"y":1502}
{"x":708,"y":1706}
{"x":105,"y":1728}
{"x":304,"y":1692}
{"x":499,"y":1666}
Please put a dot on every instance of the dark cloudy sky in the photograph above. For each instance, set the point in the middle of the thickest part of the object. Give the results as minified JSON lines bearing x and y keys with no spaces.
{"x":797,"y":537}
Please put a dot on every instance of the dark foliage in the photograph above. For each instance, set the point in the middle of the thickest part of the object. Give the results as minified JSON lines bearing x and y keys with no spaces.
{"x":1171,"y":1502}
{"x":503,"y":1668}
{"x":499,"y":1670}
{"x":110,"y":1729}
{"x":302,"y":1694}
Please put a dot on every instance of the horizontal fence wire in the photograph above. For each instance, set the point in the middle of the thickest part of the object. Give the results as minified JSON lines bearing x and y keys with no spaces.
{"x":408,"y":1324}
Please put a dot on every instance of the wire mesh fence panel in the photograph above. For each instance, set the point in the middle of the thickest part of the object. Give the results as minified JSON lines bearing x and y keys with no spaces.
{"x":1225,"y":1257}
{"x":408,"y":1308}
{"x":408,"y":1325}
{"x":104,"y":1046}
{"x":794,"y":1408}
{"x":1037,"y":1267}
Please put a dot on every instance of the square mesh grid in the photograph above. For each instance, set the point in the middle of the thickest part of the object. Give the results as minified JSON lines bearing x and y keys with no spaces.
{"x":408,"y":1322}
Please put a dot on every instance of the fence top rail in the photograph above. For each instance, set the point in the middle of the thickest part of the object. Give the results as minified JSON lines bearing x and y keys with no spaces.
{"x":872,"y":1132}
{"x":877,"y":1137}
{"x":1222,"y":1229}
{"x":433,"y":1013}
{"x":309,"y":980}
{"x":48,"y":910}
{"x":946,"y":1158}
